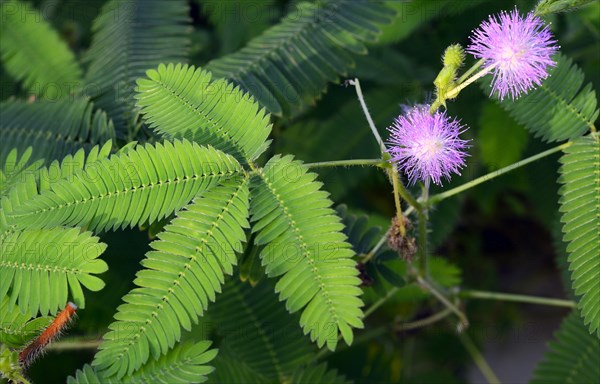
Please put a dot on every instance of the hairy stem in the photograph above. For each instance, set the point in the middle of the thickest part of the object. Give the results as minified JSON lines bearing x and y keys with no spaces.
{"x":347,"y":163}
{"x":361,"y":99}
{"x":461,"y":188}
{"x":474,"y":294}
{"x":478,"y":358}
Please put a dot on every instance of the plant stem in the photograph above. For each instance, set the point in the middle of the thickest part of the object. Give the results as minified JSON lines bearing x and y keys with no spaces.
{"x":461,"y":188}
{"x":424,"y":322}
{"x":474,"y":294}
{"x":346,"y":163}
{"x":380,"y":302}
{"x":422,"y":240}
{"x":451,"y":94}
{"x":462,"y":317}
{"x":403,"y":192}
{"x":470,"y":71}
{"x":361,"y":99}
{"x":373,"y":251}
{"x":478,"y":358}
{"x":74,"y":344}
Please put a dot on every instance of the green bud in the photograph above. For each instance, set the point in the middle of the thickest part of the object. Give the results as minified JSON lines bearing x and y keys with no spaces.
{"x":454,"y":56}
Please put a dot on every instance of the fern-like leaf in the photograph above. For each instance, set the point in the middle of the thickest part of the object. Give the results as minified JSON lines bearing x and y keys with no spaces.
{"x":15,"y":169}
{"x":574,"y":109}
{"x":257,"y":332}
{"x":18,"y":329}
{"x":290,"y":64}
{"x":580,"y":207}
{"x":304,"y":246}
{"x":573,"y":357}
{"x":130,"y":37}
{"x":317,"y":374}
{"x":38,"y":267}
{"x":136,"y":186}
{"x":33,"y":52}
{"x":53,"y":129}
{"x":181,"y":101}
{"x":186,"y":363}
{"x":184,"y":271}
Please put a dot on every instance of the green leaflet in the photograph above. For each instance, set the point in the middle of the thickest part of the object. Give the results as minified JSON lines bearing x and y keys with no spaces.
{"x":16,"y":168}
{"x":573,"y":356}
{"x":574,"y":108}
{"x":182,"y":101}
{"x":185,"y":364}
{"x":33,"y":52}
{"x":53,"y":129}
{"x":304,"y":246}
{"x":290,"y":64}
{"x":182,"y":274}
{"x":130,"y":37}
{"x":18,"y":329}
{"x":139,"y":185}
{"x":580,"y":208}
{"x":39,"y":267}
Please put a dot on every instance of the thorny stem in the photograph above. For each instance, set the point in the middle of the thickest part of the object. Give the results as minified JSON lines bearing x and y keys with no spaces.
{"x":478,"y":358}
{"x":361,"y":99}
{"x":474,"y":294}
{"x":461,"y":188}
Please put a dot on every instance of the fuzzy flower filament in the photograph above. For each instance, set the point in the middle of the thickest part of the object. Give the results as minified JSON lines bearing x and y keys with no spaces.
{"x":517,"y":50}
{"x":425,"y":146}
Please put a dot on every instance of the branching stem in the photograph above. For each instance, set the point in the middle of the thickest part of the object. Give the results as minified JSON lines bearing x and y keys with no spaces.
{"x":474,"y":294}
{"x":461,"y":188}
{"x":361,"y":99}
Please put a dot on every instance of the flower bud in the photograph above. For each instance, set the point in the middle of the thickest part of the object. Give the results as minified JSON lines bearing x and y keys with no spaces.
{"x":454,"y":56}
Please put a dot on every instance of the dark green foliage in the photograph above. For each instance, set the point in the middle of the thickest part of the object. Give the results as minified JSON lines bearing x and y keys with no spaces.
{"x":47,"y":70}
{"x":129,"y":38}
{"x":258,"y":337}
{"x":54,"y":129}
{"x":290,"y":64}
{"x":574,"y":356}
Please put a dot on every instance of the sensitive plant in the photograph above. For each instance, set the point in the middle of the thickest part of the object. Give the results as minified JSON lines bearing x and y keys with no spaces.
{"x":242,"y":234}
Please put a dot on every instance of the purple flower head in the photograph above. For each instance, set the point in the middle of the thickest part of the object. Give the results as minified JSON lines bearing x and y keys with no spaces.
{"x":519,"y":50}
{"x":425,"y":146}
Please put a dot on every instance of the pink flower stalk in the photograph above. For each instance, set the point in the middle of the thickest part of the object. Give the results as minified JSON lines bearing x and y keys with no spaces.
{"x":427,"y":147}
{"x":517,"y":50}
